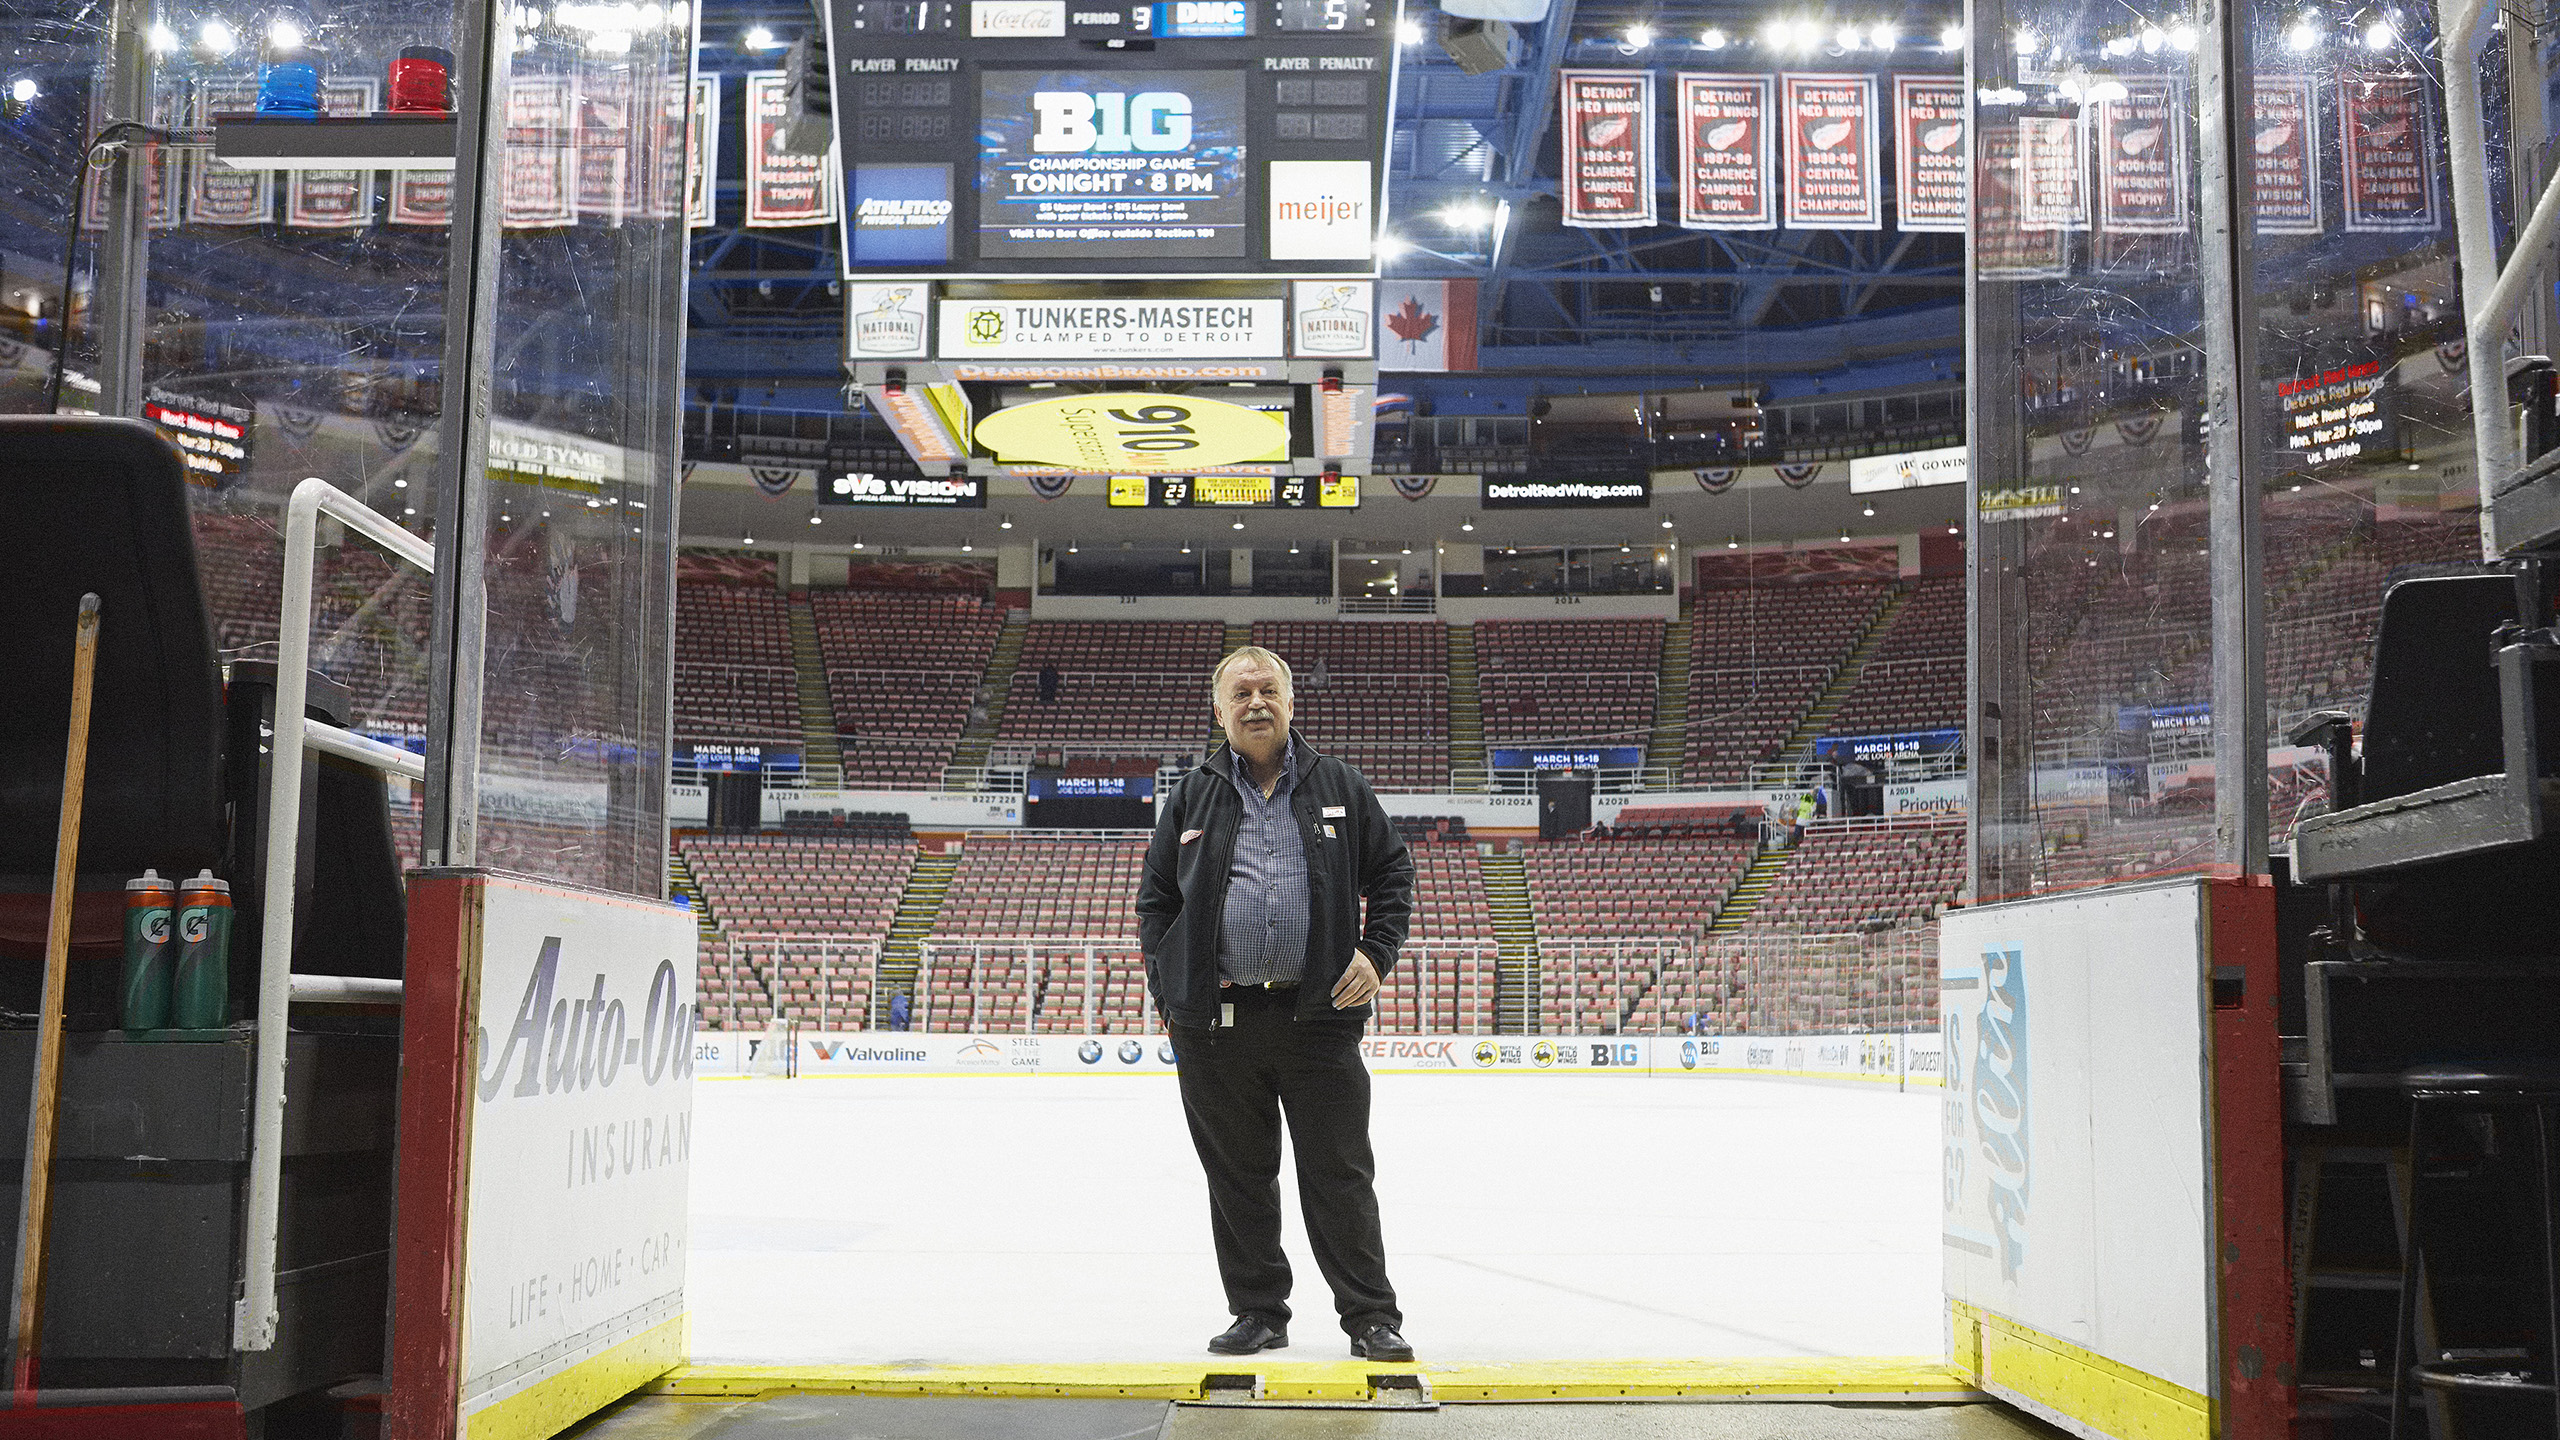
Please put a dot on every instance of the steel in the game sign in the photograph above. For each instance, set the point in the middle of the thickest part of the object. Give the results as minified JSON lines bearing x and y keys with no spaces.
{"x":2284,"y":160}
{"x":1608,"y":148}
{"x":1931,"y":159}
{"x":1726,"y":152}
{"x":1833,"y":181}
{"x":2386,"y":136}
{"x":2142,"y":166}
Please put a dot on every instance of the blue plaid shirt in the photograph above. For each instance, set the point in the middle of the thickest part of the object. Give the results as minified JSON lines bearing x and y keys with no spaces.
{"x":1262,"y":936}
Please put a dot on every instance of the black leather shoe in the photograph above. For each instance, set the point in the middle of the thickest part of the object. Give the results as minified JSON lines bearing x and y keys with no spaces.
{"x":1381,"y":1342}
{"x":1249,"y":1334}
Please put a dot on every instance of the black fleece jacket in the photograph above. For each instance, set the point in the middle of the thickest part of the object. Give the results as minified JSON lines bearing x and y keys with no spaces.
{"x":1182,"y":897}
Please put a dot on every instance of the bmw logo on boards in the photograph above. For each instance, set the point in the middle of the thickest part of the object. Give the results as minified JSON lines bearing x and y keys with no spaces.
{"x":1164,"y":1052}
{"x":1090,"y":1052}
{"x":1131,"y":1052}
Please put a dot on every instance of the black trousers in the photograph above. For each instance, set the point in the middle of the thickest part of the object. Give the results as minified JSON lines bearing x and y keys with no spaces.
{"x":1237,"y":1083}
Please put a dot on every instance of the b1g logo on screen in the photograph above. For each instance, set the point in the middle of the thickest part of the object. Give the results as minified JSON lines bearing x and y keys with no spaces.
{"x":1078,"y":122}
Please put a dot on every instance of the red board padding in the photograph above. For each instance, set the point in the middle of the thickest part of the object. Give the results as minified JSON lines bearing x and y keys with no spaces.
{"x":2256,"y":1284}
{"x":435,"y":1138}
{"x":207,"y":1420}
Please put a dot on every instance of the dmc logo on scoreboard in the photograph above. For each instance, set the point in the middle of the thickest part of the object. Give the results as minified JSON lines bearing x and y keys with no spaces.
{"x":1194,"y":18}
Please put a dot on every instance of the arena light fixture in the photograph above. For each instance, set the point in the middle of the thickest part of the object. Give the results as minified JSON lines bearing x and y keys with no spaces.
{"x":2303,"y":35}
{"x":409,"y":510}
{"x":2152,"y":38}
{"x":746,"y":539}
{"x":1005,"y":523}
{"x":1884,"y":35}
{"x":1952,"y":38}
{"x":1467,"y":525}
{"x":283,"y":35}
{"x":816,"y":519}
{"x":2182,"y":36}
{"x":857,"y":542}
{"x":1392,"y":247}
{"x":1071,"y":547}
{"x":1666,"y":522}
{"x":2379,"y":35}
{"x":758,"y":38}
{"x":506,"y":519}
{"x":2026,"y":42}
{"x":1711,"y":38}
{"x":1408,"y":32}
{"x":1638,"y":36}
{"x":160,"y":39}
{"x":1237,"y":525}
{"x":1870,"y":510}
{"x":1954,"y":529}
{"x":1847,"y":37}
{"x":23,"y":91}
{"x":1844,"y":535}
{"x":1734,"y":543}
{"x":217,"y":37}
{"x":400,"y":484}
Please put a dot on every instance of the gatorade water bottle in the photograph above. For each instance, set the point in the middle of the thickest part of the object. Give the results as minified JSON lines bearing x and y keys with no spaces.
{"x":147,"y":903}
{"x":203,"y":998}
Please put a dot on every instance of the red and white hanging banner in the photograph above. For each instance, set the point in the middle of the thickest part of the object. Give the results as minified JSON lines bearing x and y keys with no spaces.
{"x":2387,"y":141}
{"x":1833,"y":179}
{"x":542,"y":164}
{"x":216,"y":193}
{"x":1608,"y":148}
{"x":784,"y":187}
{"x":1427,"y":325}
{"x":702,"y":151}
{"x":335,"y":199}
{"x":608,"y":181}
{"x":2284,"y":159}
{"x":1931,"y":159}
{"x":421,"y":197}
{"x":2003,"y":247}
{"x":2142,"y":159}
{"x":2053,"y":185}
{"x":161,"y":166}
{"x":1726,"y":153}
{"x":663,"y":156}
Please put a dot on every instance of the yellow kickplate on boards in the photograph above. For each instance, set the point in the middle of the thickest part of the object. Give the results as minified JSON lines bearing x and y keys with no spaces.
{"x":1861,"y":1377}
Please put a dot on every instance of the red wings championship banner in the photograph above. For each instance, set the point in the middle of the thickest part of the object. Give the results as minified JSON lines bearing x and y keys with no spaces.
{"x":335,"y":199}
{"x":1608,"y":148}
{"x":542,"y":166}
{"x":784,"y":187}
{"x":2284,"y":155}
{"x":2142,"y":160}
{"x":216,"y":193}
{"x":702,"y":150}
{"x":1930,"y":155}
{"x":1725,"y":153}
{"x":1832,"y":177}
{"x":2003,"y":247}
{"x":2387,"y":138}
{"x":2053,"y":189}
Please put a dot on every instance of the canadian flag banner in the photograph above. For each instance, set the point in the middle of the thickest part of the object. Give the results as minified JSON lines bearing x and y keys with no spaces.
{"x":1427,"y":325}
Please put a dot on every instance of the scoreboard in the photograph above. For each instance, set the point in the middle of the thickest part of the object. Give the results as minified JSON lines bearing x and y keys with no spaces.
{"x":1257,"y":492}
{"x":1031,"y":139}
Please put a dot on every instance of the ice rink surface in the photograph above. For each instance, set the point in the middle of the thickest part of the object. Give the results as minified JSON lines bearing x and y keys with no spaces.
{"x":1528,"y":1217}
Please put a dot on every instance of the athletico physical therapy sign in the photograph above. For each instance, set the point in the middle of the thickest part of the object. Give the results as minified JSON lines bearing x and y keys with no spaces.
{"x":546,"y":1143}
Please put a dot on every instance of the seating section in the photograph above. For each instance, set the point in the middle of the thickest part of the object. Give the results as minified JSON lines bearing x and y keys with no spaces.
{"x":1915,"y":678}
{"x":1596,"y":901}
{"x":798,"y":911}
{"x":1758,"y":659}
{"x":734,"y":678}
{"x":1849,"y":876}
{"x":1143,"y":683}
{"x":1791,"y":985}
{"x":1590,"y":680}
{"x":1447,"y":978}
{"x":902,"y":670}
{"x":1066,"y":886}
{"x":1374,"y":693}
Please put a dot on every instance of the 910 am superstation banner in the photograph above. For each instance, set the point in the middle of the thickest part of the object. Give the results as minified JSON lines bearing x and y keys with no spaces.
{"x":1875,"y":1056}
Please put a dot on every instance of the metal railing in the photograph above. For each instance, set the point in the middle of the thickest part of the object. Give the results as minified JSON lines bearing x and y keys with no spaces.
{"x":813,"y":979}
{"x":254,"y":1317}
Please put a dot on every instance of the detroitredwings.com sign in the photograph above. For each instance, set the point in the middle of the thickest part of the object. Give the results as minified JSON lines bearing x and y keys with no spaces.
{"x":581,"y":1134}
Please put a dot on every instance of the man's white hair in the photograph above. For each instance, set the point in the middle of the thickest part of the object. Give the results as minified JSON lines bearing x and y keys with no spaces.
{"x":1278,"y":666}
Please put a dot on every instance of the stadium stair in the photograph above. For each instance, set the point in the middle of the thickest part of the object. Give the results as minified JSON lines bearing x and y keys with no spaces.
{"x":1236,"y":636}
{"x":970,"y":756}
{"x":1669,"y":743}
{"x":1753,"y":888}
{"x":1799,"y":746}
{"x":680,"y":881}
{"x":1506,"y":894}
{"x":1467,"y":768}
{"x":822,"y":759}
{"x":918,"y":906}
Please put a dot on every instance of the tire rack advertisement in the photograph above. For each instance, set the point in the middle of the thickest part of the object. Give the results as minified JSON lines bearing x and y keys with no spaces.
{"x":1082,"y":162}
{"x":1726,"y":151}
{"x":1833,"y":181}
{"x":2054,"y":190}
{"x":2387,"y":138}
{"x":2003,"y":247}
{"x":785,"y":187}
{"x":542,"y":169}
{"x":216,"y":193}
{"x":1608,"y":148}
{"x":2284,"y":160}
{"x":581,"y":1134}
{"x":1931,"y":157}
{"x":334,"y":199}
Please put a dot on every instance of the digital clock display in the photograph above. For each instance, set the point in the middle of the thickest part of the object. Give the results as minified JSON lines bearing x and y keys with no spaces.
{"x":1335,"y":16}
